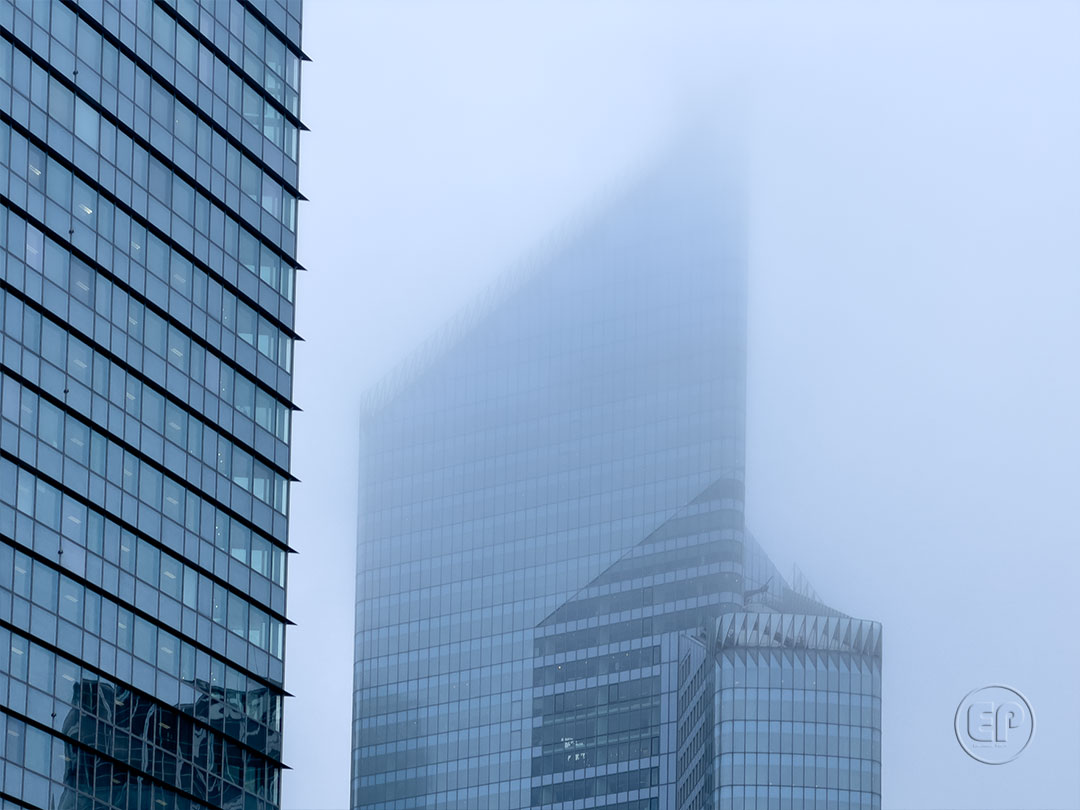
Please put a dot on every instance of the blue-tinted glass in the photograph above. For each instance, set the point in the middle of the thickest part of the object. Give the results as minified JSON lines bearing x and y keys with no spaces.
{"x":559,"y":603}
{"x":144,"y":668}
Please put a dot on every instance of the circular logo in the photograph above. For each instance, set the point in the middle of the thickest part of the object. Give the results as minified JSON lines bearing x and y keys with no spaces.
{"x":994,"y":724}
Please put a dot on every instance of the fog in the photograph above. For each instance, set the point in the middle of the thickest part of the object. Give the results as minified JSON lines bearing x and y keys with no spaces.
{"x":913,"y":433}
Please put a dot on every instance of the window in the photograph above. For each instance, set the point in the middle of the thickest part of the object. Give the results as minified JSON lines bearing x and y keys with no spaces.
{"x":38,"y":751}
{"x":81,"y":281}
{"x":238,"y":611}
{"x":155,"y":333}
{"x":87,"y":122}
{"x":179,"y":347}
{"x":50,"y":425}
{"x":61,"y":104}
{"x":244,"y":396}
{"x":175,"y":424}
{"x":249,"y":179}
{"x":47,"y":506}
{"x":53,"y":343}
{"x":147,"y":562}
{"x":160,"y":178}
{"x":145,"y":640}
{"x":241,"y":468}
{"x":173,"y":505}
{"x":44,"y":586}
{"x":161,"y":105}
{"x":71,"y":601}
{"x":164,"y":29}
{"x":239,"y":539}
{"x":79,"y":362}
{"x":85,"y":203}
{"x":245,"y":323}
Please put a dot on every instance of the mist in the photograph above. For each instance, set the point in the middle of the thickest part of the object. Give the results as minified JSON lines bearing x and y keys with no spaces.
{"x":913,"y":191}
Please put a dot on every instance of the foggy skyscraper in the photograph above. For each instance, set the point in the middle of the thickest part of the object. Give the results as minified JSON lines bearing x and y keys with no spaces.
{"x":148,"y":231}
{"x":554,"y":577}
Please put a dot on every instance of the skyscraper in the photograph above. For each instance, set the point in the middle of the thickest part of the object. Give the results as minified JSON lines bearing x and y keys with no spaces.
{"x":148,"y":171}
{"x":557,"y":594}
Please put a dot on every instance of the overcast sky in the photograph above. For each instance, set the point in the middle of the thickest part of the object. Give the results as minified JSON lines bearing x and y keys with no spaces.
{"x":914,"y":400}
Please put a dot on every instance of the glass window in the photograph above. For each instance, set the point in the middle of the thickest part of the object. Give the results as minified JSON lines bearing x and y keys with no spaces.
{"x":21,"y":578}
{"x":35,"y":243}
{"x":267,"y":339}
{"x":259,"y":628}
{"x":183,"y":201}
{"x":130,"y":466}
{"x":150,"y":485}
{"x":81,"y":281}
{"x":44,"y":586}
{"x":219,"y":603}
{"x":57,"y":259}
{"x":80,"y":358}
{"x":264,"y":410}
{"x":61,"y":104}
{"x":50,"y":424}
{"x":164,"y":29}
{"x":47,"y":506}
{"x":85,"y":204}
{"x":239,"y":540}
{"x":244,"y":392}
{"x":58,"y":184}
{"x":253,"y":107}
{"x":249,"y":179}
{"x":71,"y":601}
{"x":147,"y":562}
{"x":238,"y":610}
{"x":173,"y":505}
{"x":191,"y":587}
{"x":168,"y":653}
{"x":87,"y":122}
{"x":123,"y":629}
{"x":179,"y":346}
{"x":187,"y":51}
{"x":155,"y":333}
{"x":160,"y":182}
{"x":271,"y":197}
{"x":175,"y":424}
{"x":249,"y":251}
{"x":181,"y":275}
{"x":161,"y":105}
{"x":145,"y":640}
{"x":171,"y":575}
{"x":63,"y":26}
{"x":241,"y":468}
{"x":260,"y":555}
{"x":54,"y":341}
{"x":153,"y":409}
{"x":74,"y":520}
{"x":38,"y":752}
{"x":245,"y":323}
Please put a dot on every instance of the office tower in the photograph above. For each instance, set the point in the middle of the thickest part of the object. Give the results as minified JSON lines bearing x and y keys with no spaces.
{"x":779,"y":705}
{"x":148,"y":171}
{"x":552,"y":545}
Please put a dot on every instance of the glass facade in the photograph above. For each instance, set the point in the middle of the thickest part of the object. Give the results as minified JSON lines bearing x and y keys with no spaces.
{"x":779,"y":703}
{"x":551,"y":511}
{"x":148,"y":170}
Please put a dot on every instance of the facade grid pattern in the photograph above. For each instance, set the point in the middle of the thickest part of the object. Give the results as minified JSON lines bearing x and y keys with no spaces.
{"x":148,"y":200}
{"x":552,"y":513}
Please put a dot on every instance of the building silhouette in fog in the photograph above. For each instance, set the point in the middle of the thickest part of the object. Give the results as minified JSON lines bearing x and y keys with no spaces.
{"x":559,"y":605}
{"x":148,"y":171}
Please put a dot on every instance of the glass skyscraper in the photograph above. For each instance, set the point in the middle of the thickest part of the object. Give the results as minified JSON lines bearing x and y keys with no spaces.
{"x":558,"y":603}
{"x":148,"y":173}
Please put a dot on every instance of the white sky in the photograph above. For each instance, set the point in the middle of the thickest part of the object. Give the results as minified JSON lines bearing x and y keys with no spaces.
{"x":914,"y":422}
